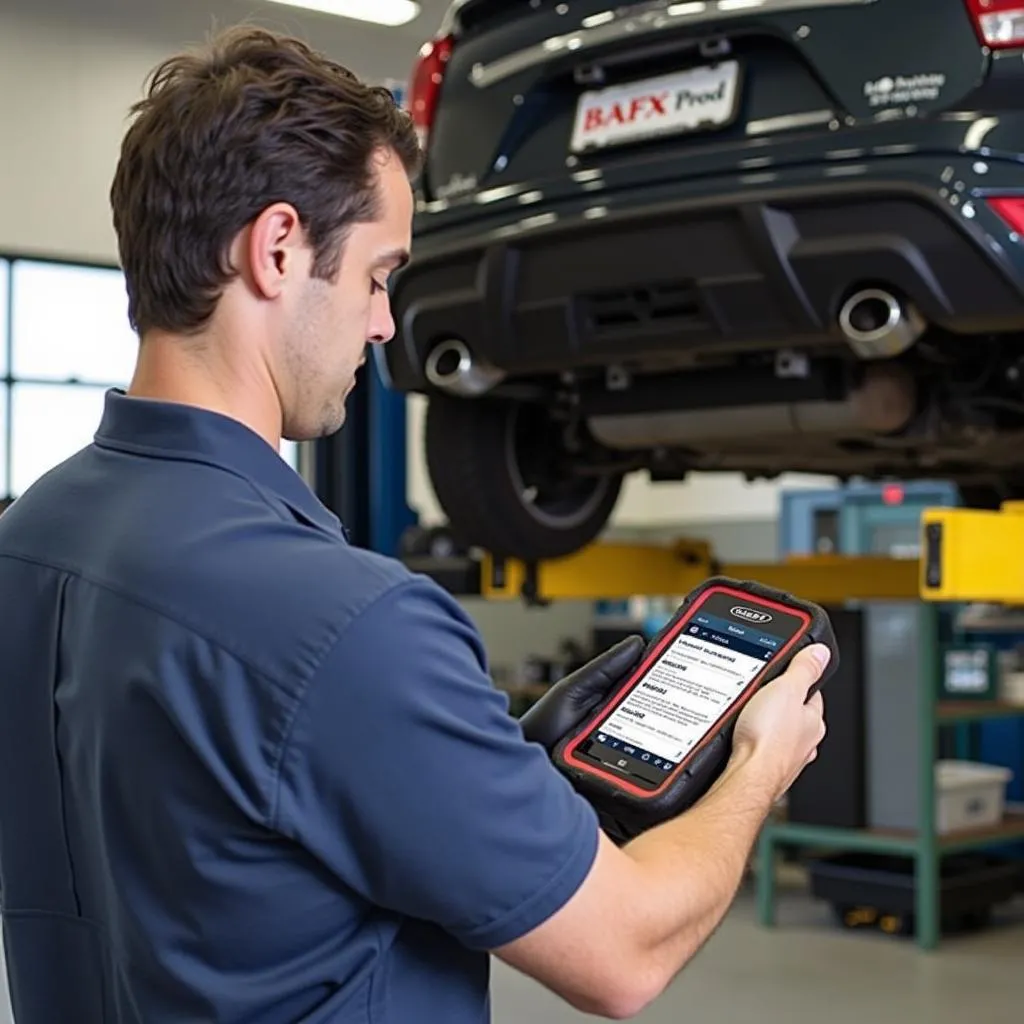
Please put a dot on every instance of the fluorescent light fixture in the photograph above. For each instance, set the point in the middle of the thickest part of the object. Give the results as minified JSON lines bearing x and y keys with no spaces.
{"x":379,"y":12}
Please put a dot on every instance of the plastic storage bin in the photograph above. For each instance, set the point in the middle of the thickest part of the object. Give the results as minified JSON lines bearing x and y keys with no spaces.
{"x":969,"y":795}
{"x":1012,"y":688}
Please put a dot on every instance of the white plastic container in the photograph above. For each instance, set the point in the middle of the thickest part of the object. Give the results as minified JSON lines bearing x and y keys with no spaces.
{"x":1011,"y":690}
{"x":969,"y":795}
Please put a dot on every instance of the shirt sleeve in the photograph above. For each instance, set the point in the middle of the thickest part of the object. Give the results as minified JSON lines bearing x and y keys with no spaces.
{"x":408,"y":777}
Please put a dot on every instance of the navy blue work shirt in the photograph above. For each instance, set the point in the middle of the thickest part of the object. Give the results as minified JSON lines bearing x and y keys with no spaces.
{"x":249,"y":772}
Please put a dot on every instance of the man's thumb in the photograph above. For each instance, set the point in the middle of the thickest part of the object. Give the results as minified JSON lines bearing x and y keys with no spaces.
{"x":808,"y":665}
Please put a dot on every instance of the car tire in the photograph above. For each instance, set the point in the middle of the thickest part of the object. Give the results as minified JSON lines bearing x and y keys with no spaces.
{"x":494,"y":466}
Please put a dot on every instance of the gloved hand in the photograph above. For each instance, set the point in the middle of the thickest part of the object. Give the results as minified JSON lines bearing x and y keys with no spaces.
{"x":571,"y":699}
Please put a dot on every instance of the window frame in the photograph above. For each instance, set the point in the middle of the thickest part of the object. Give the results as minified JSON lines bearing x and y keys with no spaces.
{"x":7,"y":338}
{"x":13,"y":351}
{"x":9,"y":380}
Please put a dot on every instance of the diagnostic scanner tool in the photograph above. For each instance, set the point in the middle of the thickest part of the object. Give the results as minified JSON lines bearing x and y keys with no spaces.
{"x":659,"y":741}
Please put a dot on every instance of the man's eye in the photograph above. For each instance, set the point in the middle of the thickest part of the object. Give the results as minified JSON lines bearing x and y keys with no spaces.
{"x":376,"y":286}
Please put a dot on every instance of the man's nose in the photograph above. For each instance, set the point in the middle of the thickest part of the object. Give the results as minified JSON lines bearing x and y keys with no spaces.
{"x":382,"y":329}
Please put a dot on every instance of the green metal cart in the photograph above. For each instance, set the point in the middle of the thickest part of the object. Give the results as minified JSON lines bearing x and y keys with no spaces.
{"x":925,"y":845}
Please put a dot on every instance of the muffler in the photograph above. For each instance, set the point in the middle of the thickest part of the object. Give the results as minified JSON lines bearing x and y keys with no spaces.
{"x":451,"y":367}
{"x":883,"y":403}
{"x":877,"y":325}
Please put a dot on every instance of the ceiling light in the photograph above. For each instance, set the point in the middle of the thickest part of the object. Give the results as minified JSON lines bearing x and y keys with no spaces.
{"x":380,"y":12}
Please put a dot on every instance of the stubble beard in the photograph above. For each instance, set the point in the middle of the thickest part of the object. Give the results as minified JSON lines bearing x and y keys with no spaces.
{"x":315,"y":411}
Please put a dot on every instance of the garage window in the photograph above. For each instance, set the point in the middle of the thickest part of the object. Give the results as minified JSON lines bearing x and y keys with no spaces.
{"x":5,"y":324}
{"x":64,"y":340}
{"x":69,"y":325}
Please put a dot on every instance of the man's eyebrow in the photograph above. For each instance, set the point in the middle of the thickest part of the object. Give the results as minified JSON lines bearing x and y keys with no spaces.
{"x":398,"y":258}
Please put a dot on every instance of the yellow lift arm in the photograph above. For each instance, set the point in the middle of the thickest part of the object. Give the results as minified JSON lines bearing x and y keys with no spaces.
{"x":971,"y":555}
{"x":968,"y":555}
{"x":618,"y":571}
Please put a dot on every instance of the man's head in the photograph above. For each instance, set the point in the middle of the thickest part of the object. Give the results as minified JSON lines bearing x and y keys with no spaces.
{"x":261,"y":201}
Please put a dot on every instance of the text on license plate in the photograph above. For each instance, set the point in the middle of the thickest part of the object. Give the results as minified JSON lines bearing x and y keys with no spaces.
{"x":681,"y":102}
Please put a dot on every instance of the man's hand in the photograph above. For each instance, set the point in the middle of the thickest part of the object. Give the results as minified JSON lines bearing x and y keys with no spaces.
{"x":780,"y":730}
{"x":571,"y":699}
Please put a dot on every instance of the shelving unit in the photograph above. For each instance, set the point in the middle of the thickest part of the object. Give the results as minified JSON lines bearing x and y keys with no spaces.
{"x":924,"y":844}
{"x":955,"y":712}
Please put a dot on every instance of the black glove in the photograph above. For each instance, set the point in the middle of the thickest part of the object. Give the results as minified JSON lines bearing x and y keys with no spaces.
{"x":571,"y":699}
{"x":569,"y":702}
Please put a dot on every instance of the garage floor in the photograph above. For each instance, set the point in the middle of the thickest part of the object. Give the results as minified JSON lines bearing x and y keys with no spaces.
{"x":807,"y":971}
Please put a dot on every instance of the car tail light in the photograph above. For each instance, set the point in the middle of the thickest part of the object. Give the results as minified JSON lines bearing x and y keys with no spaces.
{"x":425,"y":86}
{"x":1011,"y":209}
{"x":1000,"y":23}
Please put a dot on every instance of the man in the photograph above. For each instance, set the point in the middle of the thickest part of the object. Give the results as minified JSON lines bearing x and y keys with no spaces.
{"x":251,"y":773}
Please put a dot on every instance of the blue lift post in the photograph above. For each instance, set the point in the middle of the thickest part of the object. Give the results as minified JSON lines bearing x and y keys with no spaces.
{"x":360,"y":471}
{"x":390,"y":512}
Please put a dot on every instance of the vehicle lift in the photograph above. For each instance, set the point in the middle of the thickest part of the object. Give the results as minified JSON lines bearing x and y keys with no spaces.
{"x":966,"y":556}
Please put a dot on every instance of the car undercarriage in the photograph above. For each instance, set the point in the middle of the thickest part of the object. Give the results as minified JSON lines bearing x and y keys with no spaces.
{"x":817,"y":269}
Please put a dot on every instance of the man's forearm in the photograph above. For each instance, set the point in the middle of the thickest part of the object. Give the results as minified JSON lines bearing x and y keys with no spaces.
{"x":691,"y":867}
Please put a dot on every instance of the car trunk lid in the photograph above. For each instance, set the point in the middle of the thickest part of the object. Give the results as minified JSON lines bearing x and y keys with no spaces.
{"x":556,"y":85}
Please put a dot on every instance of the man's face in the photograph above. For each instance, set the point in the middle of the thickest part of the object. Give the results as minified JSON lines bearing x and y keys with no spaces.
{"x":335,"y":320}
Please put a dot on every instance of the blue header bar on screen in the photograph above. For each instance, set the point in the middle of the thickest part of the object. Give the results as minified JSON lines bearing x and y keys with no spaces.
{"x":751,"y":634}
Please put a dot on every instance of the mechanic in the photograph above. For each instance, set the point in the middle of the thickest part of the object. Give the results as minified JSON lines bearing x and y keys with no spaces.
{"x":252,"y":773}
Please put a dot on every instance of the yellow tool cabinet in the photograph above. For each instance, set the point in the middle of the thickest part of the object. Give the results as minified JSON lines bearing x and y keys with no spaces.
{"x":970,"y":555}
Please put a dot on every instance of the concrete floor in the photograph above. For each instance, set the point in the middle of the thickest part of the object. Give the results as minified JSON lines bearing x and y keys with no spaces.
{"x":807,"y":971}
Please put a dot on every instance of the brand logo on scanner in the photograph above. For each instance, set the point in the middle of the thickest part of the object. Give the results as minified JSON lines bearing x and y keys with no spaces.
{"x":750,"y":614}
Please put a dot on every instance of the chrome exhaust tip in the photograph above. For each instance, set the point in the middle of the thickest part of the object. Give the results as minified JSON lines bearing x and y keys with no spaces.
{"x":877,"y":325}
{"x":450,"y":366}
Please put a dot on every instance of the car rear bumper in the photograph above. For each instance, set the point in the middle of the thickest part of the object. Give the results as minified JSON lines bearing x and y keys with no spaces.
{"x":757,"y":260}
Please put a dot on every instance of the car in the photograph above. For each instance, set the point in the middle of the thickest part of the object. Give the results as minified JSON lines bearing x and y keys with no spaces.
{"x":753,"y":236}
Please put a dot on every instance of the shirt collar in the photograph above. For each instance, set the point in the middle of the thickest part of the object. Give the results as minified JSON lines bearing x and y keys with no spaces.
{"x":173,"y":431}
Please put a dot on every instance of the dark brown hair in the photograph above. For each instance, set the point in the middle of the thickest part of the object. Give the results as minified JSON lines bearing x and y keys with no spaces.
{"x":256,"y":118}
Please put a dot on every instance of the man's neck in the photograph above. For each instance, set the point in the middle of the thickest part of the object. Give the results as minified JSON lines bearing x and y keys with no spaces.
{"x":188,"y":372}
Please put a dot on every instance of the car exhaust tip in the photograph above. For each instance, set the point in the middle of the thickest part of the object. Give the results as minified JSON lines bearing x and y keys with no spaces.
{"x":450,"y":367}
{"x":877,"y":325}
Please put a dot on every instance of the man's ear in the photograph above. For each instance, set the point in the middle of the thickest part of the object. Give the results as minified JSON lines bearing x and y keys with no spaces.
{"x":274,"y":249}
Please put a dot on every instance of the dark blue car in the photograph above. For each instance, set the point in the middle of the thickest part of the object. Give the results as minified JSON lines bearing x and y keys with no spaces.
{"x":748,"y":235}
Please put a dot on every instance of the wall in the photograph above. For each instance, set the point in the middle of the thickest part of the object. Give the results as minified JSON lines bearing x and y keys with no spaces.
{"x":69,"y":72}
{"x":60,"y":119}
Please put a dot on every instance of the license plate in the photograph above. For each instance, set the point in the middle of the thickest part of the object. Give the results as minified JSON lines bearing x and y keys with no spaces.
{"x":685,"y":101}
